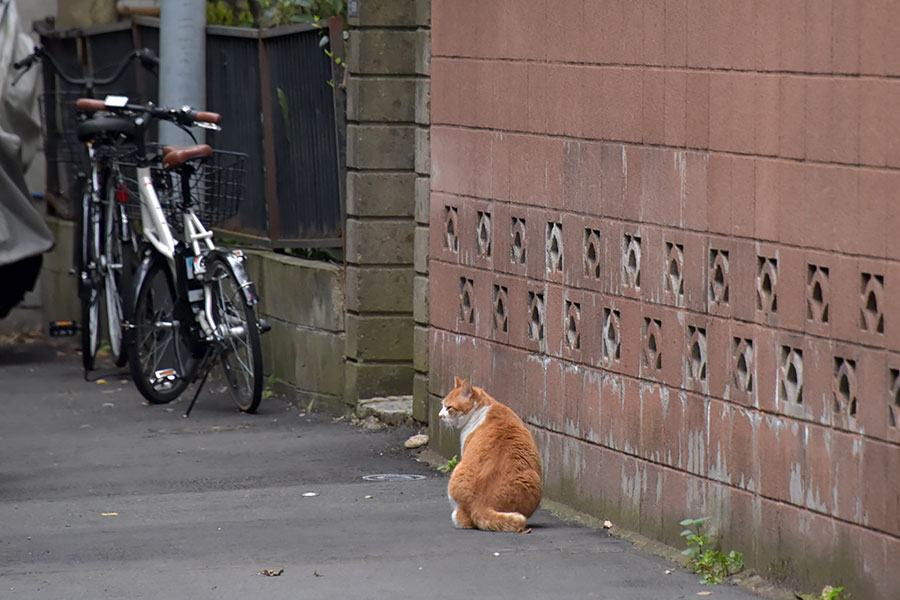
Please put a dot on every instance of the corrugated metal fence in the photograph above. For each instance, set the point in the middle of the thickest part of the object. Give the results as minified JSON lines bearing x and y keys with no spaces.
{"x":281,"y":102}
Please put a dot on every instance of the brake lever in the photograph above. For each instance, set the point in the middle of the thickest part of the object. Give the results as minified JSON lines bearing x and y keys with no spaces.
{"x":21,"y":75}
{"x":23,"y":66}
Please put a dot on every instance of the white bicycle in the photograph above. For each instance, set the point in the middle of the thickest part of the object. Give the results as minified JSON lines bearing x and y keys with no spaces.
{"x":194,"y":304}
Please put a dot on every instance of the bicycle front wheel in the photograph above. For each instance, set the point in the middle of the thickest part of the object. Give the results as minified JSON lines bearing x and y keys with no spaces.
{"x":159,"y":356}
{"x":238,"y":329}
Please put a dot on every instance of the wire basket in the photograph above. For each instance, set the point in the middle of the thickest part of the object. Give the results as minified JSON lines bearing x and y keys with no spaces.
{"x":215,"y":188}
{"x":59,"y":119}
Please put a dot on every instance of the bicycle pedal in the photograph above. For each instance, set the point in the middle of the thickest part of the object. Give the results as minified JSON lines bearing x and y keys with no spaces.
{"x":263,"y":325}
{"x":165,"y":377}
{"x":63,"y":328}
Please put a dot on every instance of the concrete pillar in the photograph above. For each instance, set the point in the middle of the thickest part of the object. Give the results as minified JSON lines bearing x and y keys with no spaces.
{"x":182,"y":56}
{"x":422,"y":204}
{"x":381,"y":183}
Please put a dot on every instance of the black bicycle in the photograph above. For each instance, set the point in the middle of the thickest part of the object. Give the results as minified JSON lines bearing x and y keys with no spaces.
{"x":105,"y":243}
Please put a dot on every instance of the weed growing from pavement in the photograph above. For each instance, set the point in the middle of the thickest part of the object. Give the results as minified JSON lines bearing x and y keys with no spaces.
{"x":705,"y":557}
{"x":269,"y":390}
{"x":828,"y":593}
{"x":449,"y":465}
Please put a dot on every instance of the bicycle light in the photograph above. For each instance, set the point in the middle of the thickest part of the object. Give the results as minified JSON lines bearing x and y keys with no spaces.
{"x":122,"y":193}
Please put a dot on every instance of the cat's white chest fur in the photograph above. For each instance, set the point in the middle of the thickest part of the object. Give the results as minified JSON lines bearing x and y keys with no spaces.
{"x":476,"y":418}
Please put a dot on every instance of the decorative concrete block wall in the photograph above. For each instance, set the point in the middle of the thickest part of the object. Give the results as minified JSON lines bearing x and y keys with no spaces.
{"x":662,"y":233}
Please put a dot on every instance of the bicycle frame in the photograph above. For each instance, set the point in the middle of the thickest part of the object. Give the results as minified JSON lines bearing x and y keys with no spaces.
{"x":159,"y":234}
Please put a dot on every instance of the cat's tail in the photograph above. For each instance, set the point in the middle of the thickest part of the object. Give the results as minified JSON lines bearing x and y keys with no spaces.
{"x":492,"y":520}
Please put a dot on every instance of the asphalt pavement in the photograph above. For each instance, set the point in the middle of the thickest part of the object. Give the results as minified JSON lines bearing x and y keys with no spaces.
{"x":104,"y":496}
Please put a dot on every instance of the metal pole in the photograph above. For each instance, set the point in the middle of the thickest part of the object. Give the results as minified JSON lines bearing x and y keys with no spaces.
{"x":182,"y":56}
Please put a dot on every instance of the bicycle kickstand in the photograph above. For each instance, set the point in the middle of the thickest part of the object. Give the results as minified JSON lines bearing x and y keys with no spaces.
{"x":206,"y":365}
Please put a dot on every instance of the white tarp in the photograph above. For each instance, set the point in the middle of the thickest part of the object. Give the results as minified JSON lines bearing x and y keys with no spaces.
{"x":23,"y":232}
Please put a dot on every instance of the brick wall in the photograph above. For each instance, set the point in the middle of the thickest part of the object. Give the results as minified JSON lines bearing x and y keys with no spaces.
{"x":662,"y":232}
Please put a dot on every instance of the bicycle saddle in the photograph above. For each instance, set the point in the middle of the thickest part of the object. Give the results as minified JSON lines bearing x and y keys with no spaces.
{"x":175,"y":155}
{"x":101,"y":126}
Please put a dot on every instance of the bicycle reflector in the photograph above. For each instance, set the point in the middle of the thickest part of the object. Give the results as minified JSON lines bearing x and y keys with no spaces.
{"x":63,"y":328}
{"x":122,"y":193}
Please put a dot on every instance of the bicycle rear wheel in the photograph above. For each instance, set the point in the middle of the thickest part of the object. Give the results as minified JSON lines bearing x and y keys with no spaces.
{"x":237,"y":324}
{"x":87,"y":261}
{"x":159,"y":356}
{"x":119,"y":266}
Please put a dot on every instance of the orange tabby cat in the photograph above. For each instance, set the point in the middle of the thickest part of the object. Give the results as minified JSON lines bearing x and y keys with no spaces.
{"x":497,"y":483}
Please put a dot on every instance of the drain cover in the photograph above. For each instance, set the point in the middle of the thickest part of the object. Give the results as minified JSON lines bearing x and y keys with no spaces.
{"x":393,"y":477}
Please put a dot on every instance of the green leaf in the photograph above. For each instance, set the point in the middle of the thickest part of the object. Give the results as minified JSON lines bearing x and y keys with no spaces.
{"x":283,"y":102}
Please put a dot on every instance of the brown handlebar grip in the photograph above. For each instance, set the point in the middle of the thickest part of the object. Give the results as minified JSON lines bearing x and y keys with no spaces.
{"x":89,"y":104}
{"x":209,"y":117}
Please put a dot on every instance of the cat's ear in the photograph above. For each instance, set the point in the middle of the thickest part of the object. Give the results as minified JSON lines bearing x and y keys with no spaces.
{"x":458,"y":382}
{"x":466,"y":388}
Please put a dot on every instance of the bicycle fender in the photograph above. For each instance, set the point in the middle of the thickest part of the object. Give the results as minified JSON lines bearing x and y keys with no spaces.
{"x":141,"y":272}
{"x":237,"y":265}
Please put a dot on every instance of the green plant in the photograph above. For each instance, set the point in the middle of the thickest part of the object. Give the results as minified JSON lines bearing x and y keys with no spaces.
{"x":271,"y":13}
{"x":705,"y":557}
{"x":269,"y":390}
{"x":449,"y":465}
{"x":286,"y":12}
{"x":828,"y":593}
{"x":220,"y":12}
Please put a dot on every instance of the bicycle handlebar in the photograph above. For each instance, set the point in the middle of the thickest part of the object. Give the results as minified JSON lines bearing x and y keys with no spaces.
{"x":184,"y":116}
{"x":146,"y":56}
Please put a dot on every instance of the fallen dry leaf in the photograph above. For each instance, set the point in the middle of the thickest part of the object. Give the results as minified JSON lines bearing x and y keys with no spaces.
{"x":416,"y":441}
{"x":109,"y":514}
{"x":101,"y":381}
{"x":704,"y":593}
{"x":607,"y":524}
{"x":271,"y":572}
